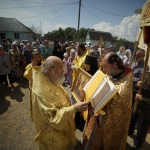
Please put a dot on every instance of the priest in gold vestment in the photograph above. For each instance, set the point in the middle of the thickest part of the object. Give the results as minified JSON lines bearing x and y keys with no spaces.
{"x":109,"y":132}
{"x":52,"y":112}
{"x":79,"y":60}
{"x":36,"y":60}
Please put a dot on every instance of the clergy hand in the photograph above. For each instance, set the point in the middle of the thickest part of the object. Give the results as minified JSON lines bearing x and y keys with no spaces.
{"x":138,"y":97}
{"x":73,"y":67}
{"x":81,"y":106}
{"x":95,"y":115}
{"x":139,"y":84}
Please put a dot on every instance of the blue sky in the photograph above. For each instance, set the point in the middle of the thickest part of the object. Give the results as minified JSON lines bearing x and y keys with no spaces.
{"x":97,"y":14}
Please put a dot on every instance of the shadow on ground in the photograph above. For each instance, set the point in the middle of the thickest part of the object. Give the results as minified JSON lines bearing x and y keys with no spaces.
{"x":14,"y":93}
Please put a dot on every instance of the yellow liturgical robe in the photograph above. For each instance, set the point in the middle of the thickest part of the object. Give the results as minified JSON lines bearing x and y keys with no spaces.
{"x":52,"y":114}
{"x":28,"y":75}
{"x":79,"y":62}
{"x":112,"y":133}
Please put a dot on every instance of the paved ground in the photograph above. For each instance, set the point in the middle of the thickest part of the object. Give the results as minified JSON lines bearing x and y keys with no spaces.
{"x":16,"y":127}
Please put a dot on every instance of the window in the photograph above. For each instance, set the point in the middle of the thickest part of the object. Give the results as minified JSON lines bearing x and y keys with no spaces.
{"x":16,"y":35}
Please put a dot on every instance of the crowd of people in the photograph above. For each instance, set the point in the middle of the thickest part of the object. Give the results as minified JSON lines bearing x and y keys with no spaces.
{"x":50,"y":65}
{"x":17,"y":55}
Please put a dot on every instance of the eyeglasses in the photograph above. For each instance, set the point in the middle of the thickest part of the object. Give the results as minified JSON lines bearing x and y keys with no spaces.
{"x":61,"y":68}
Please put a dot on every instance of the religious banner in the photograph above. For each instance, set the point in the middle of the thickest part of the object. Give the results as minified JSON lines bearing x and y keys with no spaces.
{"x":146,"y":13}
{"x":81,"y":80}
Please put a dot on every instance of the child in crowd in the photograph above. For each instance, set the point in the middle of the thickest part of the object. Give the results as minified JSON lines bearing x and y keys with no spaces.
{"x":65,"y":60}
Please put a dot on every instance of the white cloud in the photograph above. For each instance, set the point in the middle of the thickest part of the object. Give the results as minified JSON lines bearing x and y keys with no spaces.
{"x":127,"y":29}
{"x":48,"y":27}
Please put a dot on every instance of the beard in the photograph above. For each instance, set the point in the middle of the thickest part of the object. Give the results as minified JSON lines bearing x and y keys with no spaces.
{"x":57,"y":80}
{"x":80,"y":52}
{"x":39,"y":63}
{"x":112,"y":72}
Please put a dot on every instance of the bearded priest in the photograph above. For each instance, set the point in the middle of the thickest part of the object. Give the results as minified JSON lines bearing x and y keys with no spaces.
{"x":52,"y":110}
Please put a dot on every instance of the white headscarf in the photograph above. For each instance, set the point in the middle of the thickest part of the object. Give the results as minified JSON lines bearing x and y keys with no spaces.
{"x":126,"y":60}
{"x":128,"y":50}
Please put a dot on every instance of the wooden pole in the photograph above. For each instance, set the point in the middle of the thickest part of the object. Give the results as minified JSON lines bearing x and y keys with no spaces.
{"x":135,"y":47}
{"x":143,"y":76}
{"x":101,"y":41}
{"x":101,"y":56}
{"x":78,"y":20}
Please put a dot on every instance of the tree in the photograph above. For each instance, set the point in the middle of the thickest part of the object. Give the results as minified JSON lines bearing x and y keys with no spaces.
{"x":117,"y":45}
{"x":82,"y":32}
{"x":115,"y":38}
{"x":62,"y":33}
{"x":37,"y":32}
{"x":69,"y":33}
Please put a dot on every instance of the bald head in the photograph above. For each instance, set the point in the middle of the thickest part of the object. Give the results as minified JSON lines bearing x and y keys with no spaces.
{"x":53,"y":69}
{"x":112,"y":57}
{"x":108,"y":55}
{"x":53,"y":60}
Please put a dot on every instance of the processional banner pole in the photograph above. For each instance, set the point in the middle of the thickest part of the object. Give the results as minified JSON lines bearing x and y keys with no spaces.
{"x":146,"y":33}
{"x":135,"y":46}
{"x":101,"y":41}
{"x":101,"y":56}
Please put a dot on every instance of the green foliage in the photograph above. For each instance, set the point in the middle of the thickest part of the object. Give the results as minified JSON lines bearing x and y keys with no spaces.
{"x":115,"y":38}
{"x":117,"y":45}
{"x":68,"y":33}
{"x":120,"y":42}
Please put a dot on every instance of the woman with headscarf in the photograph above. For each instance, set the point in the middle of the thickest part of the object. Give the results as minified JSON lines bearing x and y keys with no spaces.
{"x":69,"y":63}
{"x":5,"y":67}
{"x":14,"y":54}
{"x":127,"y":57}
{"x":57,"y":51}
{"x":90,"y":66}
{"x":91,"y":62}
{"x":121,"y":52}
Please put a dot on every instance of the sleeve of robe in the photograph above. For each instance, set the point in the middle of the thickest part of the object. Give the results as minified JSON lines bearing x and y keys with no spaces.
{"x":28,"y":72}
{"x":51,"y":114}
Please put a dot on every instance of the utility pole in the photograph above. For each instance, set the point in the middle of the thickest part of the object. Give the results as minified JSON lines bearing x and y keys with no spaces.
{"x":40,"y":28}
{"x":78,"y":20}
{"x":40,"y":31}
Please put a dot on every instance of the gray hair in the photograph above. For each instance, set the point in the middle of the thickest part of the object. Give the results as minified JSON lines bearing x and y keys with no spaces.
{"x":14,"y":43}
{"x":129,"y":51}
{"x":65,"y":54}
{"x":93,"y":53}
{"x":21,"y":44}
{"x":47,"y":64}
{"x":72,"y":51}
